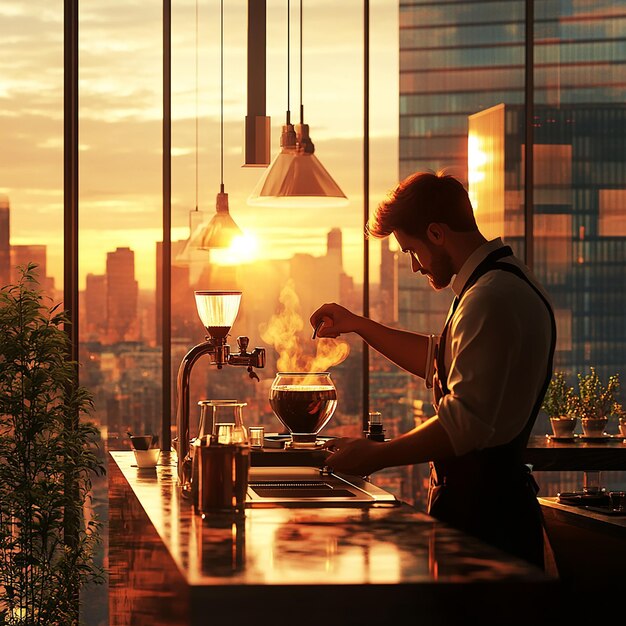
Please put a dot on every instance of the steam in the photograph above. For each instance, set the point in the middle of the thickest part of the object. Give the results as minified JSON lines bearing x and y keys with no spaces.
{"x":284,"y":333}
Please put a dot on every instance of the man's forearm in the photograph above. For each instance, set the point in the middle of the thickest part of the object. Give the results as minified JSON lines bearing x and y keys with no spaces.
{"x":405,"y":349}
{"x":424,"y":443}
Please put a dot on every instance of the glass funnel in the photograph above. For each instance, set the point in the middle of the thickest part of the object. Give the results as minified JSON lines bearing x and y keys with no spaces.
{"x":304,"y":403}
{"x":217,"y":311}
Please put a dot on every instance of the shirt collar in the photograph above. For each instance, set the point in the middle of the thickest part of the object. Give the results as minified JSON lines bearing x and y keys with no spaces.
{"x":472,"y":262}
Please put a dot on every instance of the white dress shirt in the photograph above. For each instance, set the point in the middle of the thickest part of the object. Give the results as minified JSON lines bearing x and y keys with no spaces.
{"x":496,"y":353}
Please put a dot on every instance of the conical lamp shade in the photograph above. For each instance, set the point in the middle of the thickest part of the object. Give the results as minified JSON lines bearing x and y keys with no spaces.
{"x":296,"y":177}
{"x":220,"y":231}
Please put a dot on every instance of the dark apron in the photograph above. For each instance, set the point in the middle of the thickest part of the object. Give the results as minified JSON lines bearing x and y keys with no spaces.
{"x":491,"y":493}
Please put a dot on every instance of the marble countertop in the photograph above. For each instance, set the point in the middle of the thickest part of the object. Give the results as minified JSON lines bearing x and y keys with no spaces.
{"x":310,"y":546}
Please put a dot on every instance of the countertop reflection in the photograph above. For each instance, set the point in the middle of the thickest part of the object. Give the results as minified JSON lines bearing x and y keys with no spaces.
{"x":402,"y":550}
{"x":309,"y":545}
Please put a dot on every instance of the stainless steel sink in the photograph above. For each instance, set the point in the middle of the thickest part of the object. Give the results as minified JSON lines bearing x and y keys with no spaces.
{"x":310,"y":486}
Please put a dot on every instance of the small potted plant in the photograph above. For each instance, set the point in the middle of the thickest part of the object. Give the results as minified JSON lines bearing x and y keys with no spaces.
{"x":620,"y":415}
{"x":557,"y":404}
{"x":594,"y":402}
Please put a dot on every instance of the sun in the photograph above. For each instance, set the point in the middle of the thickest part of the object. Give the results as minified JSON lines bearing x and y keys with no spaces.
{"x":243,"y":249}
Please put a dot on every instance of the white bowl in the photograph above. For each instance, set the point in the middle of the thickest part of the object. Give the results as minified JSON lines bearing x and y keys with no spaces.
{"x":147,"y":458}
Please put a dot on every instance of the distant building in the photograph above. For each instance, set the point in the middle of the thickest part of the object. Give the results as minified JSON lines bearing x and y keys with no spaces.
{"x":5,"y":238}
{"x":122,"y":292}
{"x":12,"y":257}
{"x":183,"y":306}
{"x":323,"y":272}
{"x":334,"y":246}
{"x":22,"y":255}
{"x":579,"y":218}
{"x":388,"y":283}
{"x":95,"y":321}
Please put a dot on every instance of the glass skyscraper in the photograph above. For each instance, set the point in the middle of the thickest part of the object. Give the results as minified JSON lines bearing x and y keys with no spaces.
{"x":464,"y":99}
{"x":462,"y":66}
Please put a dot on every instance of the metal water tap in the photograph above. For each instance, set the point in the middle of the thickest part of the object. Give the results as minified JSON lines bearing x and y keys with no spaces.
{"x":256,"y":358}
{"x":220,"y":354}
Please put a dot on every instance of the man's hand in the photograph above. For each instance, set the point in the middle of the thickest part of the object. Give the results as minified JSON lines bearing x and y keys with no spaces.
{"x":354,"y":456}
{"x":335,"y":320}
{"x":362,"y":457}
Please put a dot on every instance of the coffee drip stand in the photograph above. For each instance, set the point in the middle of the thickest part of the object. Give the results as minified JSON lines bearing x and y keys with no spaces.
{"x":217,"y":311}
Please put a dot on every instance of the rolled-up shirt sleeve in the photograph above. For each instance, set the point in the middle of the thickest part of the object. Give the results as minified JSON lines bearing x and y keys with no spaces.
{"x":429,"y":366}
{"x":484,"y":342}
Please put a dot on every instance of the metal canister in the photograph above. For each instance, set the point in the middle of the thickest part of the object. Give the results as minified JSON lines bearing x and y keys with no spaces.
{"x":222,"y":477}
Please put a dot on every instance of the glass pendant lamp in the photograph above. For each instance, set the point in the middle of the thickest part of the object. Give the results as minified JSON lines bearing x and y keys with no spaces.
{"x":190,"y":254}
{"x":221,"y":230}
{"x":296,"y":177}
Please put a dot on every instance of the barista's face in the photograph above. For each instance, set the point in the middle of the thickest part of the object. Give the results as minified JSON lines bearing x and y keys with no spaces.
{"x":428,"y":256}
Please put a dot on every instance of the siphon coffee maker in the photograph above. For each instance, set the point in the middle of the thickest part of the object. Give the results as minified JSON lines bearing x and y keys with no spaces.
{"x":217,"y":310}
{"x":304,"y":402}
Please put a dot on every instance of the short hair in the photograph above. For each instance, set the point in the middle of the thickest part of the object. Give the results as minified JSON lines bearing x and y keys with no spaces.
{"x":419,"y":200}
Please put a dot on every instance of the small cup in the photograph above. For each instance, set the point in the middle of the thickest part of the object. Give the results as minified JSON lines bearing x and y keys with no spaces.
{"x":225,"y":433}
{"x":256,"y":435}
{"x":144,"y":442}
{"x":617,"y":500}
{"x":147,"y":458}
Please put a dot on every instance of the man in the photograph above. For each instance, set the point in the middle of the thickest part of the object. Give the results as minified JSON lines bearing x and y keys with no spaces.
{"x":489,"y":369}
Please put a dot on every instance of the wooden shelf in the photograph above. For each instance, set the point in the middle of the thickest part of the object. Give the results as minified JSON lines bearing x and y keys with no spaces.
{"x":544,"y":454}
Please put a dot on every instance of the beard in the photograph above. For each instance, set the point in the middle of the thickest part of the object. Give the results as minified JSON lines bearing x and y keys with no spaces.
{"x":441,"y":270}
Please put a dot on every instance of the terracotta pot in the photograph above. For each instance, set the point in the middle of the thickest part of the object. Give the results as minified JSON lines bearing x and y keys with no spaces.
{"x":563,"y":426}
{"x":594,"y":426}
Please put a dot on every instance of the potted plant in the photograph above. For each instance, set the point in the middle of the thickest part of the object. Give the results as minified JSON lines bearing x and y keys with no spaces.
{"x":594,"y":402}
{"x":47,"y":458}
{"x":620,"y":415}
{"x":557,"y":404}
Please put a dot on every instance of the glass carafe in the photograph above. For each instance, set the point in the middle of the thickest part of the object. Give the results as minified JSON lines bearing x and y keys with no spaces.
{"x":214,"y":413}
{"x":304,"y":402}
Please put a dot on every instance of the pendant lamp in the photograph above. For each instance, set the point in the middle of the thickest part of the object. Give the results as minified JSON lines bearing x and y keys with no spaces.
{"x":296,"y":177}
{"x":189,"y":254}
{"x":221,"y":230}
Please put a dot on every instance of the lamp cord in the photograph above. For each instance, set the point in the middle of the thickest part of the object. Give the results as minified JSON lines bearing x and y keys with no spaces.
{"x":301,"y":105}
{"x":196,"y":105}
{"x":288,"y":62}
{"x":222,"y":95}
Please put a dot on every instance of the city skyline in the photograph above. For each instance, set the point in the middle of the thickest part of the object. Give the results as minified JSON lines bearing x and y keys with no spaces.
{"x":13,"y":255}
{"x":120,"y":87}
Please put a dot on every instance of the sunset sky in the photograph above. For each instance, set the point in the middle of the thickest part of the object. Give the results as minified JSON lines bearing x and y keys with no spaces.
{"x":120,"y":121}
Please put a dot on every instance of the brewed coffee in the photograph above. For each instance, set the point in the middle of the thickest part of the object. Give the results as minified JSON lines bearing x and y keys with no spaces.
{"x":303,"y":409}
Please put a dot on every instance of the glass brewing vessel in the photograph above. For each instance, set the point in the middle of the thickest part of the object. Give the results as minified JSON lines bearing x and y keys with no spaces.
{"x":217,"y":310}
{"x":304,"y":402}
